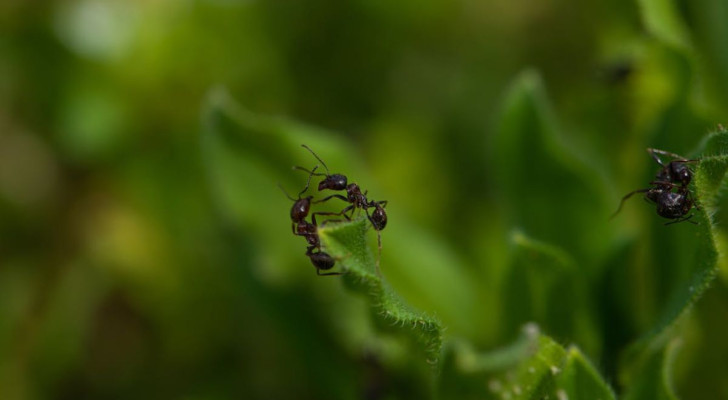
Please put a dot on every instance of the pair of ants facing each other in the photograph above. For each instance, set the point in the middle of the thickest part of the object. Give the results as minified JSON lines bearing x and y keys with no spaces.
{"x":669,"y":191}
{"x":309,"y":230}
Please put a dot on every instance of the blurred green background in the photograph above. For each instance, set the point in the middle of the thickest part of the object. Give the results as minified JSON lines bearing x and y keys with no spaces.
{"x":127,"y":272}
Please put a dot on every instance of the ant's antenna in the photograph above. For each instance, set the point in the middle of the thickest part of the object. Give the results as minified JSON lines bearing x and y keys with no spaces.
{"x":317,"y":157}
{"x":308,"y":182}
{"x":311,"y":174}
{"x":286,"y":193}
{"x":627,"y":196}
{"x":309,"y":171}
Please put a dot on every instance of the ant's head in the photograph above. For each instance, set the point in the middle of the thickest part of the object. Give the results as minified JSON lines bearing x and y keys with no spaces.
{"x":333,"y":182}
{"x":680,"y":172}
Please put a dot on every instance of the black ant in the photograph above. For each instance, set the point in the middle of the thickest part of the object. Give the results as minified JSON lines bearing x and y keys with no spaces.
{"x":301,"y":208}
{"x":299,"y":212}
{"x":354,"y":196}
{"x":676,"y":171}
{"x":322,"y":261}
{"x":309,"y":230}
{"x":676,"y":175}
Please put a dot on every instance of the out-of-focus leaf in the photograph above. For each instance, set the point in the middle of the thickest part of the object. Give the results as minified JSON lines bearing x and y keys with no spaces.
{"x":654,"y":381}
{"x":580,"y":380}
{"x":706,"y":19}
{"x":543,"y":286}
{"x":246,"y":155}
{"x":547,"y":190}
{"x":533,"y":367}
{"x":662,"y":19}
{"x":693,"y":257}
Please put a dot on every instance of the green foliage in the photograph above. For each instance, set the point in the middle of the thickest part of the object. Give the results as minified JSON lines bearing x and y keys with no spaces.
{"x":542,"y":283}
{"x":347,"y":242}
{"x":663,"y":20}
{"x":533,"y":367}
{"x":142,"y":258}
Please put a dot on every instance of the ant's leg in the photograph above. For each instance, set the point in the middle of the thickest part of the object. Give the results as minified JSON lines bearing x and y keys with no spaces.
{"x":293,"y":228}
{"x":655,"y":157}
{"x":677,"y":157}
{"x":627,"y":196}
{"x":302,"y":234}
{"x":379,"y":255}
{"x":342,"y":212}
{"x":684,"y":219}
{"x":318,"y":272}
{"x":379,"y":243}
{"x":338,"y":196}
{"x":663,"y":183}
{"x":654,"y":152}
{"x":373,"y":203}
{"x":692,"y":200}
{"x":310,"y":172}
{"x":369,"y":217}
{"x":313,"y":216}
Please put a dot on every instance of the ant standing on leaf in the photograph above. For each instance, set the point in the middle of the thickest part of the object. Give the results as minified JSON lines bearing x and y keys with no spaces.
{"x":669,"y":190}
{"x":309,"y":230}
{"x":354,"y":196}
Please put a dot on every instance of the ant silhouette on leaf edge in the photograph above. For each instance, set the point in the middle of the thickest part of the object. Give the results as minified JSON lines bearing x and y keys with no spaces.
{"x":669,"y":191}
{"x":309,"y":230}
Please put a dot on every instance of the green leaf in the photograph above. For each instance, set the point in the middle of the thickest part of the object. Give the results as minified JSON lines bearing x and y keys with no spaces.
{"x":533,"y":367}
{"x":654,"y":381}
{"x":543,"y":285}
{"x":547,"y":191}
{"x":662,"y":19}
{"x":693,"y":259}
{"x":246,"y":155}
{"x":580,"y":380}
{"x":347,"y":242}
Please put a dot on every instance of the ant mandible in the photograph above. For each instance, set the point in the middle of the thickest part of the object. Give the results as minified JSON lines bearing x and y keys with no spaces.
{"x":677,"y":175}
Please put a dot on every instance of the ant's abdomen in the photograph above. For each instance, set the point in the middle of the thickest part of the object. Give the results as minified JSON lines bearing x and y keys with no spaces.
{"x":671,"y":205}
